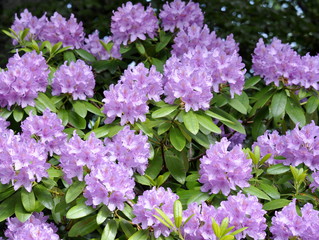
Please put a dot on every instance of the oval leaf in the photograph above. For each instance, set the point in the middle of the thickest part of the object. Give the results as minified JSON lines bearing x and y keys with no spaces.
{"x":28,"y":200}
{"x":110,"y":230}
{"x":74,"y":191}
{"x":78,"y":211}
{"x":162,"y":112}
{"x":278,"y":103}
{"x":276,"y":204}
{"x":191,"y":122}
{"x":256,"y":192}
{"x":83,"y":227}
{"x":177,"y":139}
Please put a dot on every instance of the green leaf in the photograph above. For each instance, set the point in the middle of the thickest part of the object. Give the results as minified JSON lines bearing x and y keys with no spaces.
{"x":177,"y":139}
{"x":217,"y":116}
{"x":278,"y":103}
{"x":251,"y":82}
{"x":164,"y":40}
{"x":178,"y":213}
{"x":74,"y":191}
{"x":56,"y":47}
{"x":158,"y":64}
{"x":20,"y":212}
{"x":64,"y":116}
{"x":163,"y":112}
{"x":140,"y":48}
{"x":236,"y":104}
{"x":312,"y":104}
{"x":276,"y":204}
{"x":18,"y":114}
{"x":85,"y":55}
{"x":7,"y":207}
{"x":127,"y":228}
{"x":140,"y":235}
{"x":145,"y":129}
{"x":256,"y":192}
{"x":79,"y":211}
{"x":110,"y":230}
{"x":208,"y":123}
{"x":99,"y":132}
{"x":164,"y":127}
{"x":28,"y":200}
{"x":103,"y":214}
{"x":69,"y":56}
{"x":216,"y":228}
{"x":80,"y":108}
{"x":155,"y":165}
{"x":128,"y":211}
{"x":93,"y":109}
{"x":76,"y":120}
{"x":45,"y":101}
{"x":5,"y":113}
{"x":277,"y":169}
{"x":43,"y":196}
{"x":191,"y":122}
{"x":164,"y":217}
{"x":295,"y":112}
{"x":270,"y":190}
{"x":83,"y":227}
{"x":235,"y":124}
{"x":176,"y":166}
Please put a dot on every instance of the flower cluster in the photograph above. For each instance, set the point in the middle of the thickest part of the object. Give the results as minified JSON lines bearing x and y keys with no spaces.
{"x":25,"y":77}
{"x":129,"y":149}
{"x":47,"y":129}
{"x":315,"y":184}
{"x":27,"y":20}
{"x":128,"y":98}
{"x":180,"y":15}
{"x":297,"y":146}
{"x":131,"y":22}
{"x":111,"y":184}
{"x":279,"y":62}
{"x":241,"y":211}
{"x":287,"y":223}
{"x":76,"y":79}
{"x":144,"y":209}
{"x":222,"y":170}
{"x":58,"y":29}
{"x":22,"y":160}
{"x":78,"y":153}
{"x":35,"y":228}
{"x":69,"y":32}
{"x":195,"y":35}
{"x":92,"y":44}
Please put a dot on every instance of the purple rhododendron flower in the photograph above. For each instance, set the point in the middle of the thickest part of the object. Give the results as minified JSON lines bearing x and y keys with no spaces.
{"x":178,"y":14}
{"x":222,"y":170}
{"x":22,"y":160}
{"x":131,"y":22}
{"x":58,"y":29}
{"x":129,"y":149}
{"x":242,"y":212}
{"x":195,"y":35}
{"x":35,"y":228}
{"x":25,"y":77}
{"x":287,"y":223}
{"x":76,"y":79}
{"x":315,"y":184}
{"x":128,"y":98}
{"x":78,"y":153}
{"x":111,"y":184}
{"x":94,"y":46}
{"x":47,"y":129}
{"x":144,"y":209}
{"x":27,"y":20}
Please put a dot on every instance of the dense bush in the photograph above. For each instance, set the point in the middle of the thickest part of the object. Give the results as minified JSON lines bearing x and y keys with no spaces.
{"x":156,"y":132}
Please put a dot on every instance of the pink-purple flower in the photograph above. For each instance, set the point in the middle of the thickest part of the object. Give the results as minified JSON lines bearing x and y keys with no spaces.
{"x":131,"y":22}
{"x":76,"y":79}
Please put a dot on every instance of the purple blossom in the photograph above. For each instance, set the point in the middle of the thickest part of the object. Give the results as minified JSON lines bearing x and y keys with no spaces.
{"x":148,"y":81}
{"x":180,"y":15}
{"x":199,"y":227}
{"x":25,"y":77}
{"x":3,"y":125}
{"x":78,"y":153}
{"x":34,"y":24}
{"x":144,"y":209}
{"x":195,"y":35}
{"x":58,"y":29}
{"x":93,"y":45}
{"x":131,"y":22}
{"x":47,"y":129}
{"x":234,"y":137}
{"x":35,"y":228}
{"x":315,"y":184}
{"x":129,"y":149}
{"x":308,"y":72}
{"x":242,"y":212}
{"x":222,"y":170}
{"x":76,"y":79}
{"x":111,"y":184}
{"x":22,"y":160}
{"x":276,"y":62}
{"x":287,"y":223}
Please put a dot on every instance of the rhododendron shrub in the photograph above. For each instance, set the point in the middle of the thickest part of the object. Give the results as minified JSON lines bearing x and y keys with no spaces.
{"x":158,"y":131}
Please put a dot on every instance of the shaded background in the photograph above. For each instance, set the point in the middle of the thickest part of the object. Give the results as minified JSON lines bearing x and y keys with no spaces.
{"x":294,"y":21}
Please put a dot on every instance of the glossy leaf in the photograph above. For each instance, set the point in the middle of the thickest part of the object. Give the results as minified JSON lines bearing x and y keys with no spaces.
{"x":191,"y":122}
{"x":177,"y":139}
